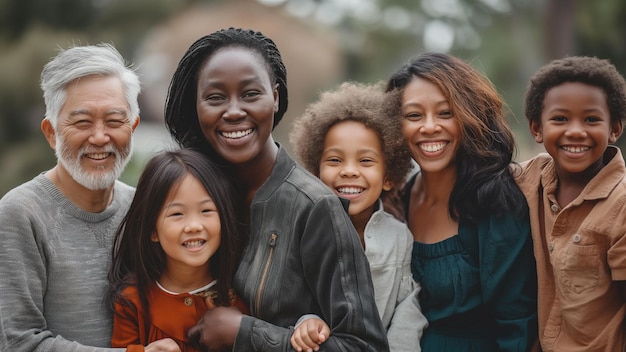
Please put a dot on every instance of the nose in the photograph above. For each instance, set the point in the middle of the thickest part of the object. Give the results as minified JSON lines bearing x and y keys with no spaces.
{"x":349,"y":170}
{"x":193,"y":226}
{"x":99,"y":135}
{"x":234,"y":111}
{"x":576,"y":130}
{"x":430,"y":125}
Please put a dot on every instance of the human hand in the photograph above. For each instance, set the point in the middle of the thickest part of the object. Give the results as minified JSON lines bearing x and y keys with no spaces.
{"x":309,"y":334}
{"x":163,"y":345}
{"x":217,"y":329}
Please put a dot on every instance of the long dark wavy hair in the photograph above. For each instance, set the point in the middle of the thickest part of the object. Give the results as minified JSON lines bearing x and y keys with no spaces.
{"x":181,"y":116}
{"x":484,"y":183}
{"x":139,"y":261}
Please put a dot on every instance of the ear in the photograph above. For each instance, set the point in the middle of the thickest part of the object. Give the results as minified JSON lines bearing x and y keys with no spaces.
{"x":49,"y":133}
{"x":387,"y":186}
{"x":276,"y":98}
{"x":616,"y":131}
{"x":154,"y":237}
{"x":536,"y":131}
{"x":136,"y":123}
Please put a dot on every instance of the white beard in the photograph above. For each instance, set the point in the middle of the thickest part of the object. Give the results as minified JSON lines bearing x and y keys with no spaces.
{"x":92,"y":180}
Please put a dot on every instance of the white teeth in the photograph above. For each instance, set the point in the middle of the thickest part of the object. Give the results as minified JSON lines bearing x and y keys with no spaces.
{"x":193,"y":244}
{"x":575,"y":149}
{"x":237,"y":134}
{"x":350,"y":190}
{"x":97,"y":156}
{"x":432,"y":147}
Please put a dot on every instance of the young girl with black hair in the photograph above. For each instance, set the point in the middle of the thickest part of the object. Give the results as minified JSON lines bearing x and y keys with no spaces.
{"x":177,"y":246}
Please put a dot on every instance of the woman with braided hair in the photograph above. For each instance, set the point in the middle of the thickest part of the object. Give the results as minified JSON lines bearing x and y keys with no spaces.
{"x":303,"y":255}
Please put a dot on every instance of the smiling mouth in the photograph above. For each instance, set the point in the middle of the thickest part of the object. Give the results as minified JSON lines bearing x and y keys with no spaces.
{"x":350,"y":190}
{"x":432,"y":147}
{"x":194,"y":244}
{"x":236,"y":134}
{"x":97,"y":156}
{"x":575,"y":149}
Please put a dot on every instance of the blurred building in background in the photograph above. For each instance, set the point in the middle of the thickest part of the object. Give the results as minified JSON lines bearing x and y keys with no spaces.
{"x":323,"y":42}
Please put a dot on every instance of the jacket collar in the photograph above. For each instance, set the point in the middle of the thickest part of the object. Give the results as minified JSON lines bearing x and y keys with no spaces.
{"x":282,"y":168}
{"x":600,"y":186}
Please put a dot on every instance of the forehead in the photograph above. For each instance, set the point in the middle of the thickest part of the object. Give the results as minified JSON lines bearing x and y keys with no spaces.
{"x":91,"y":92}
{"x":95,"y":84}
{"x":236,"y":58}
{"x":186,"y":184}
{"x":575,"y":94}
{"x":353,"y":133}
{"x":420,"y":90}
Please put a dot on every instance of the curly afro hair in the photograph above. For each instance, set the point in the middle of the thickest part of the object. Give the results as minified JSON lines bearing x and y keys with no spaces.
{"x":367,"y":104}
{"x":588,"y":70}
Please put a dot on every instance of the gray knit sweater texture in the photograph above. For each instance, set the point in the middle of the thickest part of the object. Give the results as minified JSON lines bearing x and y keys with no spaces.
{"x":54,"y":259}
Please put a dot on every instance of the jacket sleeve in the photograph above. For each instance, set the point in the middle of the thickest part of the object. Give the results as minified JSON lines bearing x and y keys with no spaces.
{"x":407,"y":325}
{"x":126,"y":320}
{"x":509,"y":281}
{"x":408,"y":322}
{"x":338,"y":276}
{"x":23,"y":283}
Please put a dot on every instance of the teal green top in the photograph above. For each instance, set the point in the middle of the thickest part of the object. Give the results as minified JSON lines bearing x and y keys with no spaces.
{"x":479,"y":287}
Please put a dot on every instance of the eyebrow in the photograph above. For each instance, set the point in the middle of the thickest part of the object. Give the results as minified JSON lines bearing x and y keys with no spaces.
{"x":204,"y":201}
{"x":212,"y":83}
{"x":360,"y":151}
{"x":566,"y":109}
{"x":438,"y":104}
{"x":113,"y":111}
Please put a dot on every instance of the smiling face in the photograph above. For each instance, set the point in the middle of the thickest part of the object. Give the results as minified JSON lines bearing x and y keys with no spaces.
{"x":576,"y":128}
{"x":432,"y":132}
{"x":188,"y":226}
{"x":93,"y":136}
{"x":353,"y":166}
{"x":236,"y":102}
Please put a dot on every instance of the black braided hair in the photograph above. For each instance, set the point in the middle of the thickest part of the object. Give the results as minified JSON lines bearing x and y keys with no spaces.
{"x":181,"y":117}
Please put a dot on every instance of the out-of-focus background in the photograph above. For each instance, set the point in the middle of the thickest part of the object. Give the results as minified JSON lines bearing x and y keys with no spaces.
{"x":323,"y":42}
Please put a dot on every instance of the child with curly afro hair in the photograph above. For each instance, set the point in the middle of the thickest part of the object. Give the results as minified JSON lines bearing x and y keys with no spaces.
{"x":352,"y":142}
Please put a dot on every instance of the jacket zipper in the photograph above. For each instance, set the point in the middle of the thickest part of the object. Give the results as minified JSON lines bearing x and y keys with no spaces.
{"x":266,"y":269}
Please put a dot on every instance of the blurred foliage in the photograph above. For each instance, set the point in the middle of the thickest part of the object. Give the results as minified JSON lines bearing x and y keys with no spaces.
{"x":31,"y":31}
{"x":506,"y":39}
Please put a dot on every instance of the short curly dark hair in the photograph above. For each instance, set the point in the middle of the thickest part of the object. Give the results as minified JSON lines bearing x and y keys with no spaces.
{"x":351,"y":101}
{"x":584,"y":69}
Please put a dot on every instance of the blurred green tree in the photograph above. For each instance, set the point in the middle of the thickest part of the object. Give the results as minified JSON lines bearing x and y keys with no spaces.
{"x":506,"y":39}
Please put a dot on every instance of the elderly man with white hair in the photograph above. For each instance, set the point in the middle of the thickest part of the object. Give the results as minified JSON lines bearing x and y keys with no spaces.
{"x":56,"y":230}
